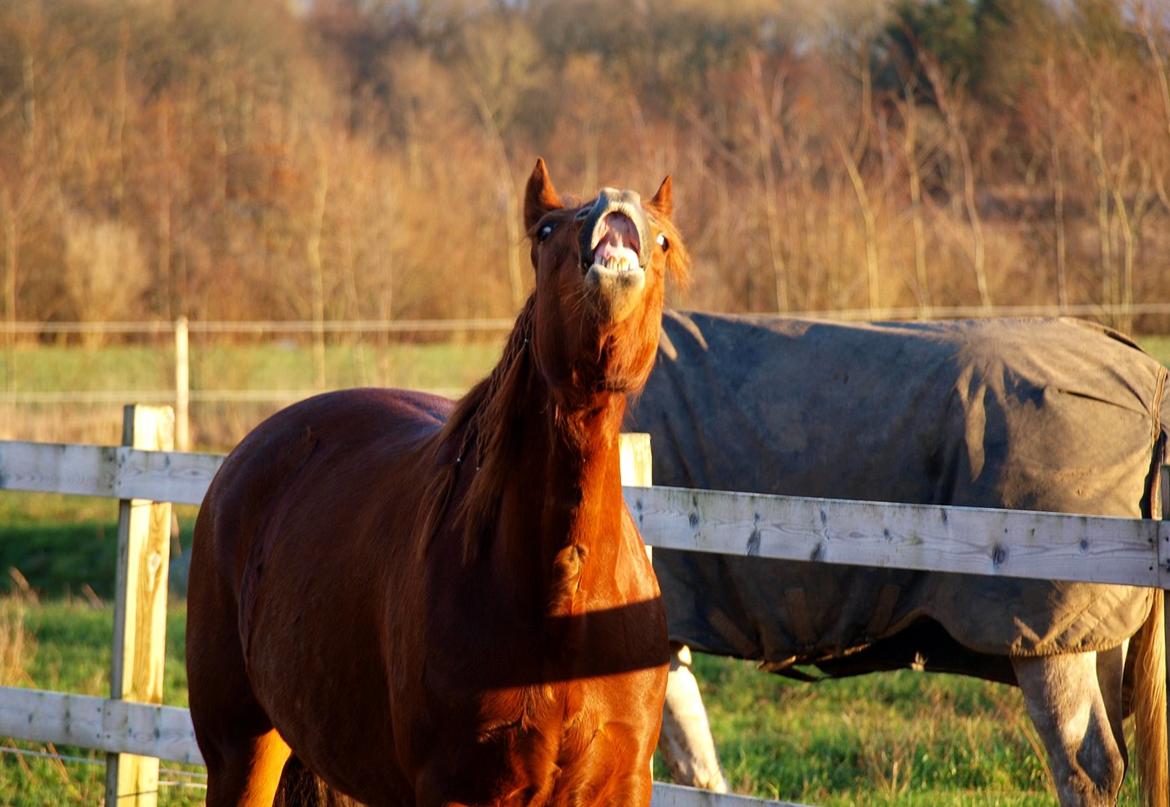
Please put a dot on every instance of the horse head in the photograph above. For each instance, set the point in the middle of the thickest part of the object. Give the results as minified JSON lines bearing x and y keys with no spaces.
{"x":600,"y":277}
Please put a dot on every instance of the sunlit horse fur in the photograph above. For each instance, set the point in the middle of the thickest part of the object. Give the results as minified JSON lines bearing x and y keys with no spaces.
{"x":418,"y":602}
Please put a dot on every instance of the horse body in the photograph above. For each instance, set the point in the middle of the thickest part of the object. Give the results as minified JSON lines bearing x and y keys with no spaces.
{"x":1043,"y":414}
{"x":429,"y":603}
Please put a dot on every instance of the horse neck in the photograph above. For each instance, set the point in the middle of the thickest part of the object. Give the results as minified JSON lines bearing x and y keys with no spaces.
{"x":560,"y":501}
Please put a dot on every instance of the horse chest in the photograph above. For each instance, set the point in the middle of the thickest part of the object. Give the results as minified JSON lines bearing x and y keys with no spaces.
{"x":539,"y":746}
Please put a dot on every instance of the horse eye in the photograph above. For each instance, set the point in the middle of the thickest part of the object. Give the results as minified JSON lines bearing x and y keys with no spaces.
{"x":661,"y":241}
{"x":545,"y":231}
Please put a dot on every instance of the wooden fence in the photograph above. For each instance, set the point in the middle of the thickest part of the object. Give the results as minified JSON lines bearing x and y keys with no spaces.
{"x":147,"y":477}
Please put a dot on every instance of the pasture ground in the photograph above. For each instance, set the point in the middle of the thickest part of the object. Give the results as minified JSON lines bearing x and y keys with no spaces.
{"x":894,"y":739}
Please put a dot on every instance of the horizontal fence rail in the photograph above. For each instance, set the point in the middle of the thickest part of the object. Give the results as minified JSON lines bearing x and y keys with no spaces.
{"x":504,"y":324}
{"x":965,"y":540}
{"x":270,"y":326}
{"x":166,"y":396}
{"x":113,"y":726}
{"x":116,"y":472}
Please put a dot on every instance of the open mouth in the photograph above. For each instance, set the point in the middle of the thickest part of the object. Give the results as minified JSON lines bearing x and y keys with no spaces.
{"x":615,"y":243}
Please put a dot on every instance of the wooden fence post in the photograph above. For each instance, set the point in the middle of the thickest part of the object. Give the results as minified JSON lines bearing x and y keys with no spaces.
{"x":1164,"y":558}
{"x":634,"y":450}
{"x":140,"y":607}
{"x":182,"y":386}
{"x":635,"y":454}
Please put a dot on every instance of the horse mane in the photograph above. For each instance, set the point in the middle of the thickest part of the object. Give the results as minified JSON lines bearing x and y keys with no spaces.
{"x":479,"y":431}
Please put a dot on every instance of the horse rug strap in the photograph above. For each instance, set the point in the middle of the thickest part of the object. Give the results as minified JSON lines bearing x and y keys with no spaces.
{"x":1057,"y":415}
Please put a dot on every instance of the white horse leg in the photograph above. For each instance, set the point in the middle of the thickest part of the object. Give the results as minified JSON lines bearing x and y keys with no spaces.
{"x":1110,"y":673}
{"x":685,"y":742}
{"x":1074,"y":701}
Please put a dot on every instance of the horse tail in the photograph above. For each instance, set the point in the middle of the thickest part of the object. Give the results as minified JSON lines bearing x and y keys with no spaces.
{"x":1149,"y":674}
{"x":300,"y":787}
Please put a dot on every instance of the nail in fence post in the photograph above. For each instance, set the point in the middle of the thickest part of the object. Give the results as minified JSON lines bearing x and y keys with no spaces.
{"x":136,"y":674}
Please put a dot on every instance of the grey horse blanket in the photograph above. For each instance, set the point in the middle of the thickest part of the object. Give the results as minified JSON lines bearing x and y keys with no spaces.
{"x":1053,"y":414}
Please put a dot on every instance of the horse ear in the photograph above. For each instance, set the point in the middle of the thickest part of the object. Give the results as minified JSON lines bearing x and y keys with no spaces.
{"x":662,"y":201}
{"x":540,"y":196}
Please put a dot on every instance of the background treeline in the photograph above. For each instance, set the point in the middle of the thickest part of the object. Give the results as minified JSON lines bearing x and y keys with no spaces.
{"x":348,"y":159}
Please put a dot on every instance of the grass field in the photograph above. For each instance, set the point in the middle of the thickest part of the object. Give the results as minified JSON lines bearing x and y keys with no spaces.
{"x":892,"y":739}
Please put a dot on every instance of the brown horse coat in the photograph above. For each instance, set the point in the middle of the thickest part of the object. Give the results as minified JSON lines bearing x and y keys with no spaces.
{"x":443,"y":604}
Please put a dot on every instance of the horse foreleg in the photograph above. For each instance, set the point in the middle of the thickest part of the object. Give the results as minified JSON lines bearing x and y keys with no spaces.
{"x":243,"y":752}
{"x":685,"y":742}
{"x":246,"y":773}
{"x":1074,"y":701}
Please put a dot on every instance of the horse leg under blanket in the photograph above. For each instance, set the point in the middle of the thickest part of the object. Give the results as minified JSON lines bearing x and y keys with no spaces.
{"x":1075,"y":702}
{"x":685,"y":741}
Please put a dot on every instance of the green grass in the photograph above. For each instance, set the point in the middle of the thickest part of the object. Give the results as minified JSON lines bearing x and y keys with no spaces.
{"x":897,"y":738}
{"x":270,"y":365}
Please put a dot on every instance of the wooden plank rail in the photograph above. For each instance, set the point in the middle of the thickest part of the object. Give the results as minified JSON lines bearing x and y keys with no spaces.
{"x":968,"y":540}
{"x":104,"y":724}
{"x":109,"y":472}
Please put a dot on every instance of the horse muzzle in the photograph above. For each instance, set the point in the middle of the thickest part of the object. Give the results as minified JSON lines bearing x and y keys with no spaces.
{"x":615,"y":251}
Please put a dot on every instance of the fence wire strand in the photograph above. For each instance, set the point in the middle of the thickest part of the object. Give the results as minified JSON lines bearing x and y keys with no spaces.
{"x":199,"y":776}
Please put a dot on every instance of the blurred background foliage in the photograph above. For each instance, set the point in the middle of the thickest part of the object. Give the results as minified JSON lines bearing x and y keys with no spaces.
{"x":364,"y":158}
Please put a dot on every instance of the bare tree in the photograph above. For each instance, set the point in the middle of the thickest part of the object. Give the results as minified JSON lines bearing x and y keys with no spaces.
{"x":946,"y":95}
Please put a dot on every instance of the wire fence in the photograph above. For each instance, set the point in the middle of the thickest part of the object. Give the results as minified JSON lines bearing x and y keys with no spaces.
{"x":480,"y":325}
{"x":264,"y":327}
{"x":97,"y":760}
{"x":217,"y":393}
{"x":175,"y":777}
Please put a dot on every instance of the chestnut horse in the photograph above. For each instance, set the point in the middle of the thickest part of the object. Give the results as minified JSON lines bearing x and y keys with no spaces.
{"x":421,"y":602}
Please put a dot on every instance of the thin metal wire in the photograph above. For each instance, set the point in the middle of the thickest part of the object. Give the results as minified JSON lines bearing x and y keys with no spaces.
{"x":496,"y":324}
{"x":273,"y":326}
{"x":179,"y":772}
{"x":99,"y":760}
{"x":168,"y":396}
{"x":27,"y":752}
